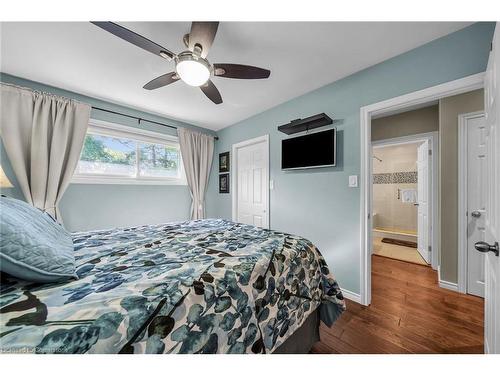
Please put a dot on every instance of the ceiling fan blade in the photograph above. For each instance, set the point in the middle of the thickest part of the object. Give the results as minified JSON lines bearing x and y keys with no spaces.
{"x":211,"y":92}
{"x":161,"y":81}
{"x":134,"y":38}
{"x":203,"y":34}
{"x":240,"y":71}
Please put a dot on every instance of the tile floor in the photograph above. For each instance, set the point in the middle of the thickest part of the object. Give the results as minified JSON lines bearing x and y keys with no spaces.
{"x":407,"y":254}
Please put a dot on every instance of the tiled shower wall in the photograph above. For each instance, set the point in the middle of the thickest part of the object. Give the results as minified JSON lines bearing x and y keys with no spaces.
{"x":397,"y":170}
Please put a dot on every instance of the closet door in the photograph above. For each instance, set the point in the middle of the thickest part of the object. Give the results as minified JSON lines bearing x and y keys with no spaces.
{"x":252,"y":183}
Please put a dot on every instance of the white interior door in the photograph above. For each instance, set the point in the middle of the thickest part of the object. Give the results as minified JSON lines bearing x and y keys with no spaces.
{"x":252,"y":176}
{"x":423,"y":194}
{"x":492,"y":220}
{"x":476,"y":202}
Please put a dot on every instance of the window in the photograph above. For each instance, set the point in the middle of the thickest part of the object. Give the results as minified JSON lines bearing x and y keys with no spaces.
{"x":115,"y":154}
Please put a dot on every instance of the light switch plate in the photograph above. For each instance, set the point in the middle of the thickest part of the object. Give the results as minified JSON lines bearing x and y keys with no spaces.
{"x":353,"y":181}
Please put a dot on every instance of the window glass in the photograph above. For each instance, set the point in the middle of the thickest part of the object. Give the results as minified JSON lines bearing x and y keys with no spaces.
{"x":157,"y":160}
{"x":104,"y":155}
{"x":110,"y":157}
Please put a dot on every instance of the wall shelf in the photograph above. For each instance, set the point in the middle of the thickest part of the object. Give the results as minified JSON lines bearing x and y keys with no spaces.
{"x":300,"y":125}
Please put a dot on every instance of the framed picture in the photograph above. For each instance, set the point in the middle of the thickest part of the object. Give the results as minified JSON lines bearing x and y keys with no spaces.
{"x":224,"y":183}
{"x":224,"y":162}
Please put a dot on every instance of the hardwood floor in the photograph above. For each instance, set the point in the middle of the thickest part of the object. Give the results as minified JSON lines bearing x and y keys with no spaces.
{"x":409,"y":314}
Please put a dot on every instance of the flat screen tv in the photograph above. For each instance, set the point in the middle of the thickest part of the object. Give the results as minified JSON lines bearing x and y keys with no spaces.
{"x":309,"y":151}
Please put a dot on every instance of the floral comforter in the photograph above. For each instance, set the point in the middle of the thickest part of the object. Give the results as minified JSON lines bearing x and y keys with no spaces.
{"x":206,"y":286}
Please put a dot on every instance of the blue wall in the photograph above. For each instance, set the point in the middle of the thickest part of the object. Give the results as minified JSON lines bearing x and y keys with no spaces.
{"x":318,"y":204}
{"x":93,"y":206}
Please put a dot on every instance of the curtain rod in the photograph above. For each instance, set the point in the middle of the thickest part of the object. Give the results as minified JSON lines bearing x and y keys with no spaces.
{"x":139,"y":119}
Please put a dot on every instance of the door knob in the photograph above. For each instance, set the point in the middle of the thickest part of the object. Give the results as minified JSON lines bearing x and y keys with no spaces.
{"x":484,"y":247}
{"x":475,"y":214}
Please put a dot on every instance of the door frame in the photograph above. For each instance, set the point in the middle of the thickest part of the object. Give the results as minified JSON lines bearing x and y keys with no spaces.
{"x":433,"y":139}
{"x":234,"y":174}
{"x":462,"y":197}
{"x":404,"y":102}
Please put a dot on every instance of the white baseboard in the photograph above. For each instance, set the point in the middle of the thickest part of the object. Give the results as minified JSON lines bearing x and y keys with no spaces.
{"x":355,"y":297}
{"x":446,"y":284}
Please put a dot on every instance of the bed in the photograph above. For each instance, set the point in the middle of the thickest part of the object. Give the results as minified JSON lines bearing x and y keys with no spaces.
{"x":204,"y":286}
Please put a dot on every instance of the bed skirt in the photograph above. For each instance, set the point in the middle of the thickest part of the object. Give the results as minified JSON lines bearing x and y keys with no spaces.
{"x":303,"y":339}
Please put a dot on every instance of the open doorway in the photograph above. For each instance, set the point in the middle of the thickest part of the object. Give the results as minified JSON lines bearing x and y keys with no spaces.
{"x":453,"y":98}
{"x":402,"y":200}
{"x":412,"y":296}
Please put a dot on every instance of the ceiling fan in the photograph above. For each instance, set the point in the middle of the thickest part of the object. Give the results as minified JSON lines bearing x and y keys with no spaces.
{"x":191,"y":66}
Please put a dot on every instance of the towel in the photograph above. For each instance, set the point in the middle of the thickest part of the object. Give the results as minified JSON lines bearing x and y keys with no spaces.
{"x":409,"y":195}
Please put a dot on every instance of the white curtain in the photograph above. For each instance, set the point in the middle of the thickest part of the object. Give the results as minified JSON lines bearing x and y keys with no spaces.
{"x":197,"y":153}
{"x":43,"y":135}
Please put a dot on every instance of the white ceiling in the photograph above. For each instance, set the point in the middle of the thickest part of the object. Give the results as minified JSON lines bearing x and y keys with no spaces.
{"x":301,"y":56}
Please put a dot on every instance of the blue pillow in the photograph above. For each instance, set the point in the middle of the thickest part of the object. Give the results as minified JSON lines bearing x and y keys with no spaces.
{"x":33,"y":247}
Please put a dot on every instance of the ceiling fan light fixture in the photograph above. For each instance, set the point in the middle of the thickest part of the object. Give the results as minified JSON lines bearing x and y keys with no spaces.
{"x":192,"y":70}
